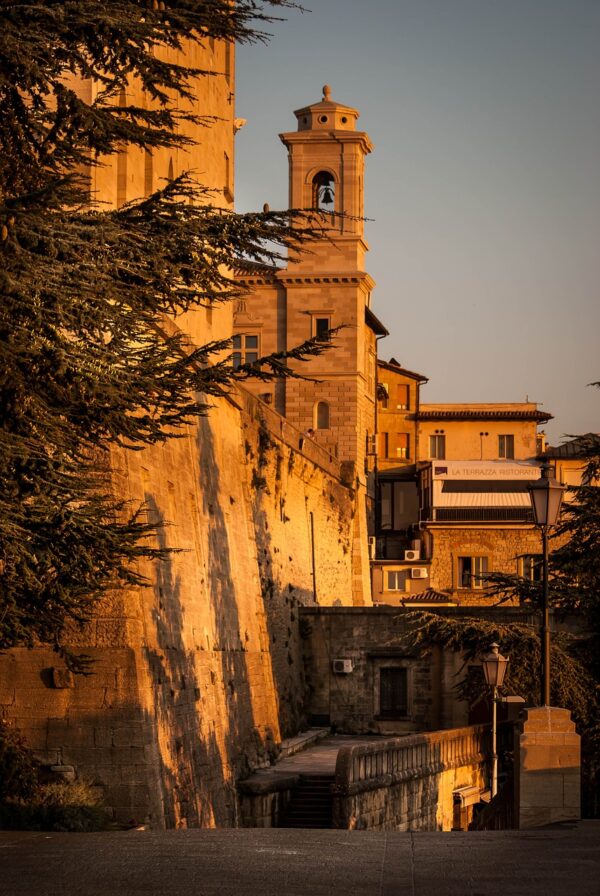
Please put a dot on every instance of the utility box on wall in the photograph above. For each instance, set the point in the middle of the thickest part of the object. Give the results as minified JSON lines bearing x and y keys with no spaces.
{"x":342,"y":667}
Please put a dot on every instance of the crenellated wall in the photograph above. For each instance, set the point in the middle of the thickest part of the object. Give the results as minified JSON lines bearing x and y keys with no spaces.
{"x":197,"y":677}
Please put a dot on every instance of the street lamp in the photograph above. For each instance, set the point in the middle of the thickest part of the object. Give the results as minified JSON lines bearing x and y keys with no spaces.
{"x":494,"y":668}
{"x":546,"y":497}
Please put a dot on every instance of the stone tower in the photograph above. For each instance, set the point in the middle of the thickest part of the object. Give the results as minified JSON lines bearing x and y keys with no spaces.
{"x":326,"y":164}
{"x":325,"y":287}
{"x":328,"y":286}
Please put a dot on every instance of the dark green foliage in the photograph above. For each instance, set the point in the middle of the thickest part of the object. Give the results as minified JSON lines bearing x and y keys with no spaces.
{"x":46,"y":128}
{"x":18,"y":770}
{"x":55,"y":807}
{"x":88,"y":359}
{"x":472,"y":637}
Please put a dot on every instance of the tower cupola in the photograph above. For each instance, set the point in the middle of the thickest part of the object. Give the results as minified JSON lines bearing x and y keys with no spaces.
{"x":326,"y":164}
{"x":326,"y":115}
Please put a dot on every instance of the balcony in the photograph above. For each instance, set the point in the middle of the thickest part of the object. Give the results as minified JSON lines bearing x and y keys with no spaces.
{"x":478,"y":515}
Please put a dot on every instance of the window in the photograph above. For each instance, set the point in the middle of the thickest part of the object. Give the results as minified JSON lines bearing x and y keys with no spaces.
{"x":148,"y":173}
{"x":370,"y":371}
{"x":122,"y":162}
{"x":227,"y":186}
{"x":321,"y":325}
{"x":228,"y":61}
{"x":402,"y":397}
{"x":245,"y":350}
{"x":398,"y":505}
{"x":437,"y":447}
{"x":393,"y":692}
{"x":531,"y":567}
{"x":322,"y":415}
{"x":396,"y":580}
{"x":323,"y":191}
{"x":471,"y":572}
{"x":382,"y":450}
{"x":401,"y":445}
{"x":506,"y":447}
{"x":383,"y":394}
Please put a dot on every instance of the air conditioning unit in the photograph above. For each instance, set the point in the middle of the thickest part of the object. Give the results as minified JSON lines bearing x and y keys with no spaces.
{"x":411,"y":556}
{"x":372,"y":547}
{"x":342,"y":667}
{"x":419,"y":572}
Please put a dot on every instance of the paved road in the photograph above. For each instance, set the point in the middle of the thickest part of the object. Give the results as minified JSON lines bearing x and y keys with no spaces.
{"x":302,"y":863}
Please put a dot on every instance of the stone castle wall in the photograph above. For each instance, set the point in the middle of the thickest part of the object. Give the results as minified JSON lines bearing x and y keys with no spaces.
{"x":197,"y":677}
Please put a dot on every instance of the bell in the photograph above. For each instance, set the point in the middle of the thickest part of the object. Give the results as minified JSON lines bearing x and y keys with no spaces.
{"x":327,"y":196}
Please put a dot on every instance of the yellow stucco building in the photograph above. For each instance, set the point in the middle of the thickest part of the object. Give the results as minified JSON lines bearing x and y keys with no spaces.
{"x":453,"y":502}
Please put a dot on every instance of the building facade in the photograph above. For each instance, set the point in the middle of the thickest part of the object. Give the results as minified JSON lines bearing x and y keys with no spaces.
{"x":461,"y":510}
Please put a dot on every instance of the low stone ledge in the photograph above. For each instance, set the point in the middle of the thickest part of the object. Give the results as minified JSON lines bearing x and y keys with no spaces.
{"x":302,"y":741}
{"x":258,"y":785}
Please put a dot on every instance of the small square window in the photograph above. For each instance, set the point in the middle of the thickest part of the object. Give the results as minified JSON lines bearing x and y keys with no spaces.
{"x":471,"y":572}
{"x":531,"y":567}
{"x":321,"y":325}
{"x":437,"y":447}
{"x":506,"y":447}
{"x":396,"y":580}
{"x":245,"y":349}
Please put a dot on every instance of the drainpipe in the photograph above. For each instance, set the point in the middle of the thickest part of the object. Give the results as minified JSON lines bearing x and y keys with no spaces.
{"x":376,"y":463}
{"x":312,"y":552}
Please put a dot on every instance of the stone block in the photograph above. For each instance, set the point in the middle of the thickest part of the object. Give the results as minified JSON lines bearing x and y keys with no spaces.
{"x":544,"y":790}
{"x":572,"y":791}
{"x":548,"y":755}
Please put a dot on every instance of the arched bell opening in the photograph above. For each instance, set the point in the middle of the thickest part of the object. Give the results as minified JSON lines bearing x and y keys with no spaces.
{"x":323,"y":191}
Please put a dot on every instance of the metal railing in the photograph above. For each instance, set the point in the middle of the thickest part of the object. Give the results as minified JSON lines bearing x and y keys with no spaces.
{"x":480,"y":514}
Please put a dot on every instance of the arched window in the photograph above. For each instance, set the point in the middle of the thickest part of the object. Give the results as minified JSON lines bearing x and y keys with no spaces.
{"x":321,"y":415}
{"x":323,"y":191}
{"x":122,"y":161}
{"x":148,"y":173}
{"x":170,"y":175}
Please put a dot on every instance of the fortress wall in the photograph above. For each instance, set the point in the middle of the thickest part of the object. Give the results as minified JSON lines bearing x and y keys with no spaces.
{"x":196,"y":677}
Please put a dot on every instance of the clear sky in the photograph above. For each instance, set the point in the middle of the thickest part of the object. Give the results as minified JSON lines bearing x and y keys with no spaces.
{"x":483,"y":187}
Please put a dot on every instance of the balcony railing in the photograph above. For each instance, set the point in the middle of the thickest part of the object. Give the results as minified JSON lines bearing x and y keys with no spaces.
{"x":479,"y":515}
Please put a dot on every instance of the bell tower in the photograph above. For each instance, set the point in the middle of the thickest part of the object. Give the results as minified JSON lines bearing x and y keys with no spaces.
{"x":326,"y":171}
{"x":326,"y":287}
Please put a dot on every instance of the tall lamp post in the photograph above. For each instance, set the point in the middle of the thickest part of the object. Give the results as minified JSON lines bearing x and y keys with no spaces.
{"x":546,"y":498}
{"x":494,"y":668}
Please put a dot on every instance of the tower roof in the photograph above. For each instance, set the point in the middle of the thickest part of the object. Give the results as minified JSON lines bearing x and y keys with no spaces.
{"x":327,"y":115}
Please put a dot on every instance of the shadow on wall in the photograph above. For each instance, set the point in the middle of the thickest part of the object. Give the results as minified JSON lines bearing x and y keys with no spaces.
{"x":281,"y":601}
{"x":190,"y":762}
{"x":203,"y":710}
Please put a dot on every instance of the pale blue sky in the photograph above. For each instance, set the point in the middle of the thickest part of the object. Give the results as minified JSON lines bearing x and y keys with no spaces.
{"x":483,"y":185}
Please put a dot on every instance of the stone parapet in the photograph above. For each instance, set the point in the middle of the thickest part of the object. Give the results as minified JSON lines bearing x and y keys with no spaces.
{"x":407,"y":783}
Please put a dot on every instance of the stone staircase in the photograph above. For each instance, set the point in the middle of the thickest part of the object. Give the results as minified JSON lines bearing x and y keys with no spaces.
{"x":311,"y":803}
